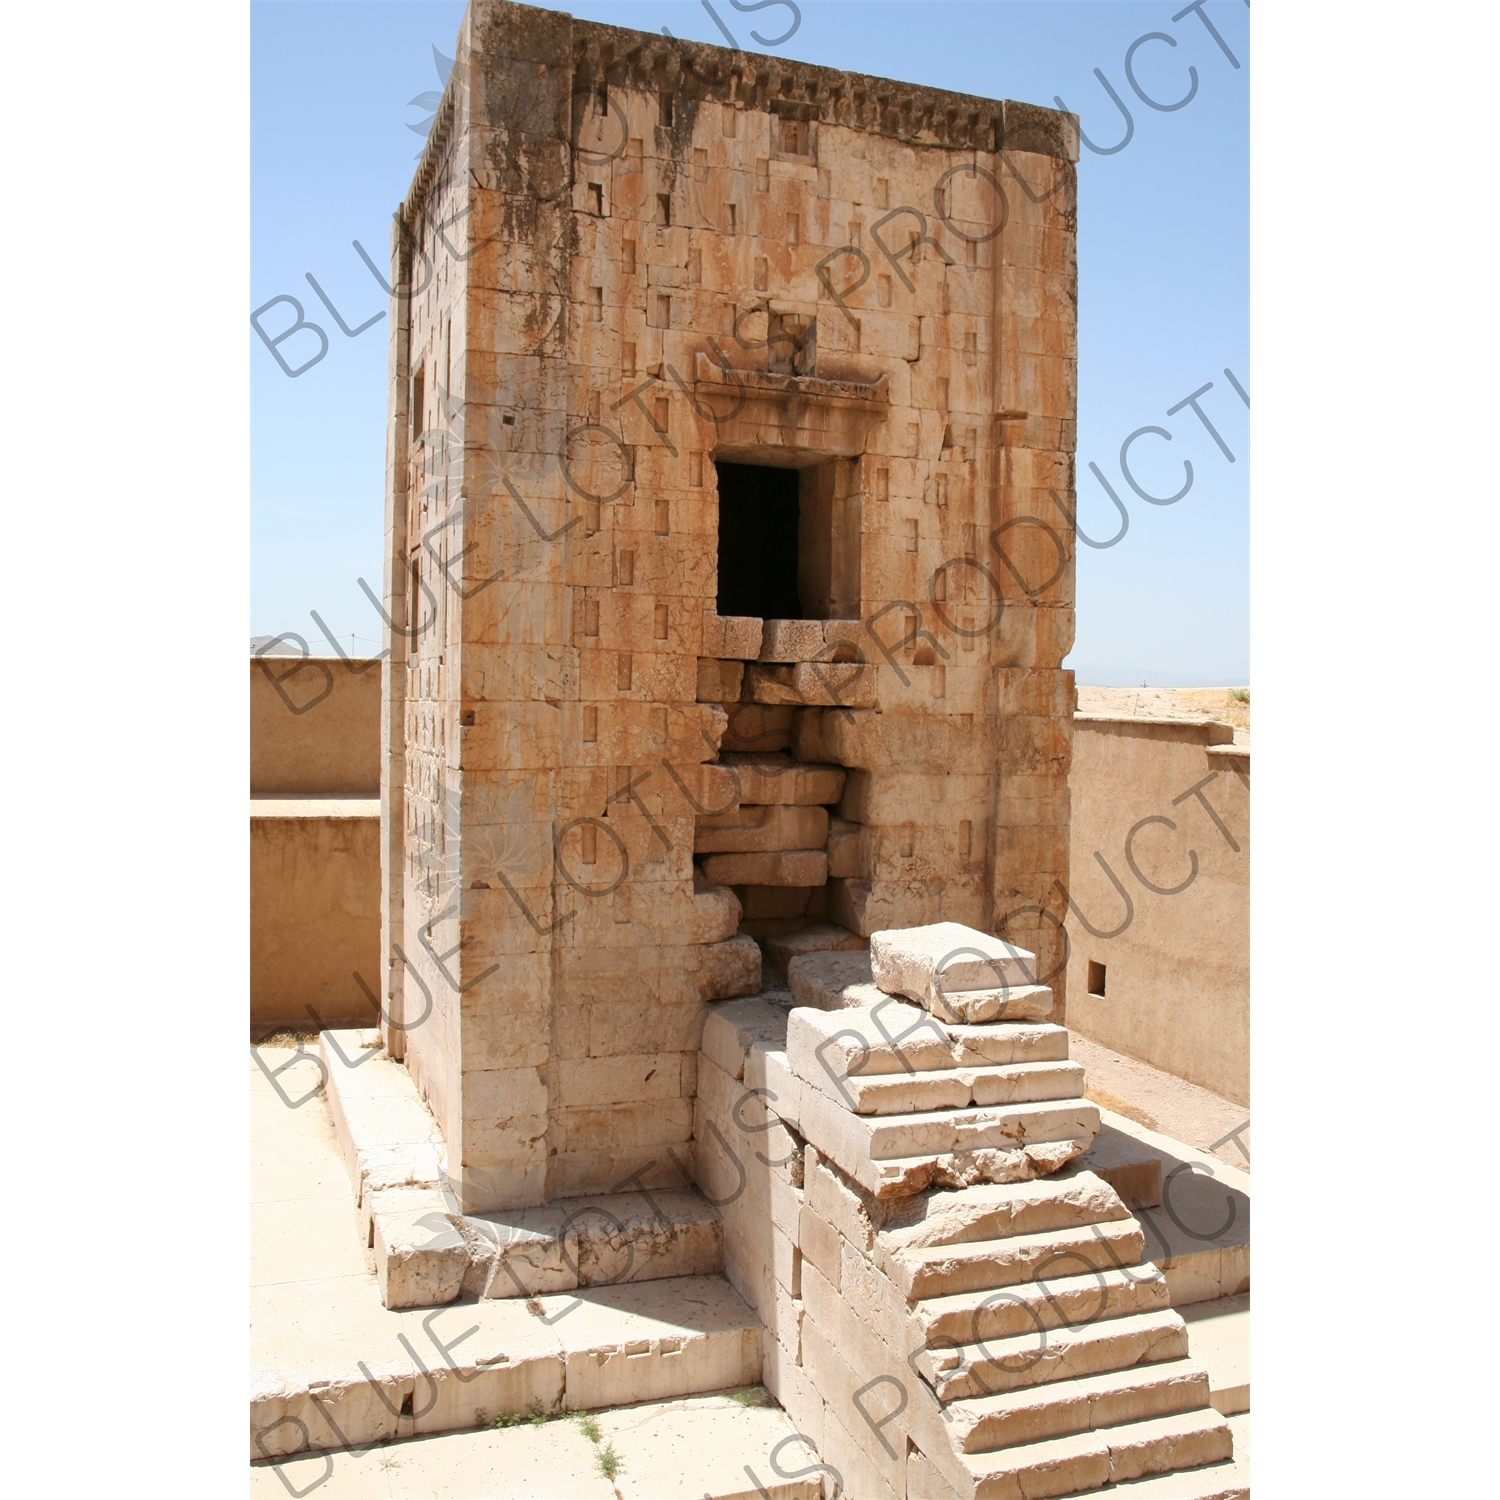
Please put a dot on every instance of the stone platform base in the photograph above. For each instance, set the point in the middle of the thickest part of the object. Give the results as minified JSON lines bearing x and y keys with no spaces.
{"x":696,"y":1448}
{"x":333,"y":1370}
{"x":1194,"y":1208}
{"x":428,"y":1253}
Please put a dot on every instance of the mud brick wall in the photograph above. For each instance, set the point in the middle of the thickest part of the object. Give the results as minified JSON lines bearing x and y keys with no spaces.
{"x":625,"y":260}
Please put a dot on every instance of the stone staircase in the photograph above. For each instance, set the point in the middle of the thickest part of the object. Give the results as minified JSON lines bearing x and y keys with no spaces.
{"x":900,"y":1230}
{"x":969,"y":1312}
{"x":1049,"y":1383}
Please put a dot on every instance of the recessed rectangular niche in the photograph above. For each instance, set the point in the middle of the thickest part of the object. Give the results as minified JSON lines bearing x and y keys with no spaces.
{"x":789,"y":540}
{"x":1096,"y":979}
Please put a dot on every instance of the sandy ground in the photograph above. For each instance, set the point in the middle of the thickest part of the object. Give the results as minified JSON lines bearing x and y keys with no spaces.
{"x":1162,"y":1102}
{"x":1171,"y":703}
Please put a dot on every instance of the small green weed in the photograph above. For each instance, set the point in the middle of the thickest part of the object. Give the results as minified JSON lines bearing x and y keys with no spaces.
{"x":608,"y":1461}
{"x":752,"y":1395}
{"x":536,"y":1416}
{"x":1242,"y":694}
{"x":589,"y":1427}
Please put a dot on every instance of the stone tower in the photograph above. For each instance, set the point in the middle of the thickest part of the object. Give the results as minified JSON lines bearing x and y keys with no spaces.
{"x":732,"y":414}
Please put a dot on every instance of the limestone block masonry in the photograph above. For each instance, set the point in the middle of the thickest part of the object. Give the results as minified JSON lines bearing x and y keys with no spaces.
{"x":428,"y":1252}
{"x":729,"y":572}
{"x":989,"y":1330}
{"x":945,"y":1297}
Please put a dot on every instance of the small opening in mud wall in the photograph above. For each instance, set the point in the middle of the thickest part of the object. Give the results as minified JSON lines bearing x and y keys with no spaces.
{"x":758,"y":527}
{"x":1096,"y":979}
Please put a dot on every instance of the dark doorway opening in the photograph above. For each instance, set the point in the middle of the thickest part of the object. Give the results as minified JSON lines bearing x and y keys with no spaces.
{"x":758,"y":524}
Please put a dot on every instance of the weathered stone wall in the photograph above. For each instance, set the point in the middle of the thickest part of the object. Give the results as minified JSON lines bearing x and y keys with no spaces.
{"x":1166,"y":806}
{"x":314,"y":840}
{"x":314,"y":726}
{"x":630,"y":258}
{"x":314,"y":911}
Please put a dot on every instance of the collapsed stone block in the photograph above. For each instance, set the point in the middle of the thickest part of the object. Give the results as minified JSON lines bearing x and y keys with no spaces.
{"x":780,"y":780}
{"x":758,"y":727}
{"x":847,"y":684}
{"x":735,"y":637}
{"x":751,"y":830}
{"x":719,"y":681}
{"x":823,"y":937}
{"x":792,"y":641}
{"x":832,"y":981}
{"x":930,"y":963}
{"x":730,"y":968}
{"x":801,"y":867}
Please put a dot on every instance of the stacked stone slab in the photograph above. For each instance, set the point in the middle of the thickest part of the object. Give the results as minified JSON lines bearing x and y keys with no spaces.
{"x":771,"y":847}
{"x":976,"y":1318}
{"x":990,"y":1101}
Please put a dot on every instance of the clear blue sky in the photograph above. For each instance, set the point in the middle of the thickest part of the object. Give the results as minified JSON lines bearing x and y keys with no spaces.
{"x":1163,"y":259}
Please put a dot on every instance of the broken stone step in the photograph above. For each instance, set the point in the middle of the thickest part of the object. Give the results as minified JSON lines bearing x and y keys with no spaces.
{"x":427,"y":1255}
{"x":1057,"y":1300}
{"x":756,"y":830}
{"x":1162,"y":1445}
{"x":985,"y":1265}
{"x":842,"y":981}
{"x":1089,"y":1461}
{"x":778,"y":780}
{"x":1133,"y":1170}
{"x":836,"y":1128}
{"x":733,"y":1028}
{"x":1008,"y":1419}
{"x":1037,"y":1139}
{"x":1041,"y":1357}
{"x":800,"y":867}
{"x":906,"y":1176}
{"x":994,"y":1211}
{"x":1222,"y":1481}
{"x":894,"y":1037}
{"x":898,"y":1094}
{"x":385,"y":1131}
{"x":834,"y":981}
{"x":909,"y":1175}
{"x":933,"y":962}
{"x":822,"y":937}
{"x":583,"y":1351}
{"x":1019,"y":1002}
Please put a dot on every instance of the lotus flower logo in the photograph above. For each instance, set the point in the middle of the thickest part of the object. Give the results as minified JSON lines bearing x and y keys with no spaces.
{"x":433,"y":97}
